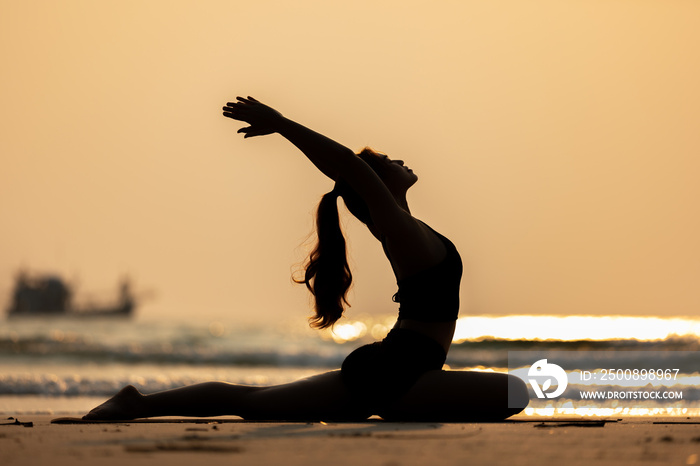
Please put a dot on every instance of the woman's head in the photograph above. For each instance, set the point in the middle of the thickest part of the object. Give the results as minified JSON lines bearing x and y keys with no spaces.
{"x":327,"y":274}
{"x":394,"y":173}
{"x":397,"y":177}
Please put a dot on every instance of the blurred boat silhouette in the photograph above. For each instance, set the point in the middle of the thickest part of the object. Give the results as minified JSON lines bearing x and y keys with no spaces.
{"x":49,"y":295}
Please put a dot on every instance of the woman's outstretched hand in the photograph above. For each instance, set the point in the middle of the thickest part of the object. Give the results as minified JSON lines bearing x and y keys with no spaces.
{"x":261,"y":118}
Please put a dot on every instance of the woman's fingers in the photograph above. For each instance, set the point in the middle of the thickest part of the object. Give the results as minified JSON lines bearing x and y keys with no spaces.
{"x":234,"y":115}
{"x":242,"y":106}
{"x":257,"y":115}
{"x":235,"y":106}
{"x":247,"y":100}
{"x":236,"y":110}
{"x":250,"y":131}
{"x":231,"y":108}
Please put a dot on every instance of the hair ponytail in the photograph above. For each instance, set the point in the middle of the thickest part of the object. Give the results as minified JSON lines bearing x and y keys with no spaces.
{"x":328,"y":275}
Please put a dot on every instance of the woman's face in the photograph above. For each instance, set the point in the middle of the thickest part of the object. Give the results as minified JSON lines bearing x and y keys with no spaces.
{"x":396,"y":174}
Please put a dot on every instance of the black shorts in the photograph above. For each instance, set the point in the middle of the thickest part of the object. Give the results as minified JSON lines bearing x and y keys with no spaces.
{"x":382,"y":372}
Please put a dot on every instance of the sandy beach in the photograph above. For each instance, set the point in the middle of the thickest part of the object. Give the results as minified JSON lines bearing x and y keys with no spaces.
{"x":523,"y":440}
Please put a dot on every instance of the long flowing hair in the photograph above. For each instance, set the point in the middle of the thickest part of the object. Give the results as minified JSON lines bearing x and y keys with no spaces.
{"x":327,"y":273}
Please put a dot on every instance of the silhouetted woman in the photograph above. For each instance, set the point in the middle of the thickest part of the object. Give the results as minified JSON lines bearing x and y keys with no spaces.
{"x":399,"y":378}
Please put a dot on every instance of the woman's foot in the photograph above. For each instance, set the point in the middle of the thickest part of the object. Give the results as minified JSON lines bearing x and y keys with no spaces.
{"x":123,"y":406}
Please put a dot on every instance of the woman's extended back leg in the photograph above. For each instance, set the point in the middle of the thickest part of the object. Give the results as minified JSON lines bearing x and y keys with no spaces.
{"x":320,"y":397}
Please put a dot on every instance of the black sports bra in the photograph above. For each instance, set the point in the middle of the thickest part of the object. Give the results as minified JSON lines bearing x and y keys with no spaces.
{"x":432,"y":295}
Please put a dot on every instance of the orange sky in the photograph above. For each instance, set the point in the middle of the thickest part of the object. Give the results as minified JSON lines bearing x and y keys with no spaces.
{"x":556,"y":144}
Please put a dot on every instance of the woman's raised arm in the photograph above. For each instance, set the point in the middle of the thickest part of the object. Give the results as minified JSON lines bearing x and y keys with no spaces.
{"x":333,"y":159}
{"x":327,"y":155}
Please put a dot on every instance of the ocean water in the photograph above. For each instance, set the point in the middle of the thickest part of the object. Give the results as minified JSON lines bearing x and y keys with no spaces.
{"x":68,"y":366}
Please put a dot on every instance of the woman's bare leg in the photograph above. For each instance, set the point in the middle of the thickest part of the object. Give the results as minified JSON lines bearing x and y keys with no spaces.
{"x":321,"y":397}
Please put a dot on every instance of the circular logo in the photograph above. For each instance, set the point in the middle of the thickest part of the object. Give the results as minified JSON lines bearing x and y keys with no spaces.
{"x":546,"y":373}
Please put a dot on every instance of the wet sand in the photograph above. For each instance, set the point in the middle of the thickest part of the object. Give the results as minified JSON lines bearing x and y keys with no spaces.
{"x":523,"y":441}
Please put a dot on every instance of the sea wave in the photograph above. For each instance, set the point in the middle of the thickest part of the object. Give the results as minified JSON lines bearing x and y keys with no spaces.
{"x":77,"y":351}
{"x":78,"y":348}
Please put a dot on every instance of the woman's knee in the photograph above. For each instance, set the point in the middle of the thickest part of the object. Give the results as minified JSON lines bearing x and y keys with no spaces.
{"x":518,"y":395}
{"x":461,"y":396}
